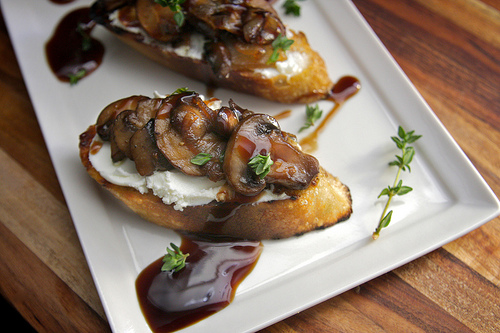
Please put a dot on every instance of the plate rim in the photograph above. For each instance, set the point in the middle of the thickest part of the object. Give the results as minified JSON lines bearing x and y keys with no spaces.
{"x":490,"y":208}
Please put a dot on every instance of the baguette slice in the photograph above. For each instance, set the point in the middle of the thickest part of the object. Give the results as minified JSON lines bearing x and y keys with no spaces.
{"x":224,"y":59}
{"x":325,"y":202}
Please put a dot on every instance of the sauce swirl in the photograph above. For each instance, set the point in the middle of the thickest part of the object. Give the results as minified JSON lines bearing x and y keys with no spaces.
{"x":345,"y":88}
{"x":71,"y":52}
{"x":214,"y":268}
{"x":283,"y":114}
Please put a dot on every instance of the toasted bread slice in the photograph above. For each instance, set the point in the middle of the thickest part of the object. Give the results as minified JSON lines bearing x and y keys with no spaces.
{"x":325,"y":202}
{"x":215,"y":47}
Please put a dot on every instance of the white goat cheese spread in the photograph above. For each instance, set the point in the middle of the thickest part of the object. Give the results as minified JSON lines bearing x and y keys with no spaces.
{"x":294,"y":64}
{"x":173,"y":187}
{"x":193,"y":50}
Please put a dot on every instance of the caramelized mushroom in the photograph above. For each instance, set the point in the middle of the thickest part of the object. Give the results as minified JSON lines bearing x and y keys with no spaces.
{"x":145,"y":152}
{"x":226,"y":121}
{"x":108,"y":115}
{"x":260,"y":134}
{"x":228,"y":118}
{"x":217,"y":15}
{"x":292,"y":168}
{"x":249,"y":139}
{"x":160,"y":134}
{"x":158,"y":21}
{"x":219,"y":58}
{"x":122,"y":130}
{"x":262,"y":26}
{"x":183,"y":129}
{"x":254,"y":20}
{"x":147,"y":109}
{"x":127,"y":123}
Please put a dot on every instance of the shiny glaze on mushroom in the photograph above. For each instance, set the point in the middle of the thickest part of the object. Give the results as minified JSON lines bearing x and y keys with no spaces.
{"x":164,"y":133}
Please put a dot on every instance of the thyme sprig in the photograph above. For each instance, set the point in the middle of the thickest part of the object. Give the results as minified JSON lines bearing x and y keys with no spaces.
{"x":403,"y":163}
{"x":292,"y":7}
{"x":174,"y":260}
{"x":280,"y":43}
{"x":313,"y":113}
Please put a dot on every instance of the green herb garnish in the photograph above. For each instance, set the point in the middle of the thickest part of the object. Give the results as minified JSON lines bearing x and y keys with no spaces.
{"x":174,"y":259}
{"x":261,"y":165}
{"x":280,"y":43}
{"x":175,"y":6}
{"x":180,"y":90}
{"x":74,"y":78}
{"x":292,"y":7}
{"x":313,"y":113}
{"x":201,"y":159}
{"x":403,"y":164}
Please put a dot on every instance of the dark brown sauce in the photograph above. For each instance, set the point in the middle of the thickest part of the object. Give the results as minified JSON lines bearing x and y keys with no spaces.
{"x":214,"y":269}
{"x":230,"y":202}
{"x":283,"y":114}
{"x":71,"y":52}
{"x":210,"y":90}
{"x":344,"y":89}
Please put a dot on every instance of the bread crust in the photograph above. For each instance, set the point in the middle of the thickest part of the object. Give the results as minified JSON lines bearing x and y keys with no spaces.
{"x":325,"y":202}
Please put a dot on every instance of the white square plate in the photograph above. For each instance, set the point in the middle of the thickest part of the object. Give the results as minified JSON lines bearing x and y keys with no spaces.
{"x":449,"y":200}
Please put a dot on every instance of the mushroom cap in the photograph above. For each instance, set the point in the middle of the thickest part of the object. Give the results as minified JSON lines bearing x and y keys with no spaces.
{"x":260,"y":134}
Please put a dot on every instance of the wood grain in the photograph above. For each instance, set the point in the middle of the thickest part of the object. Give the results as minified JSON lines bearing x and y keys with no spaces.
{"x":45,"y":228}
{"x":449,"y":49}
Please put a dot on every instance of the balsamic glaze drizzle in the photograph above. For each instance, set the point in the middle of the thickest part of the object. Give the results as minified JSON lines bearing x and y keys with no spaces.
{"x":207,"y":284}
{"x":71,"y":52}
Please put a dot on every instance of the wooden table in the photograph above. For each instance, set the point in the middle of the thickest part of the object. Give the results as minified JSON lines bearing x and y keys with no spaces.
{"x":450,"y":49}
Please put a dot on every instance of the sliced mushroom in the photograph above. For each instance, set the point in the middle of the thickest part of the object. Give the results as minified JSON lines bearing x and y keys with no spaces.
{"x":108,"y":115}
{"x":127,"y":123}
{"x":226,"y":121}
{"x":292,"y":168}
{"x":249,"y":139}
{"x":260,"y":134}
{"x":262,"y":26}
{"x":255,"y":21}
{"x":184,"y":129}
{"x":219,"y":58}
{"x":217,"y":15}
{"x":122,"y":130}
{"x":146,"y":110}
{"x":157,"y":21}
{"x":145,"y":152}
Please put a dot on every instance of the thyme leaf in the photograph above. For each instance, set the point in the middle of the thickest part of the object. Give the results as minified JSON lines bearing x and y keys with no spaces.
{"x":261,"y":165}
{"x":74,"y":78}
{"x":281,"y":43}
{"x":174,"y":260}
{"x":313,"y":113}
{"x":180,"y":90}
{"x":292,"y":7}
{"x":201,"y":159}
